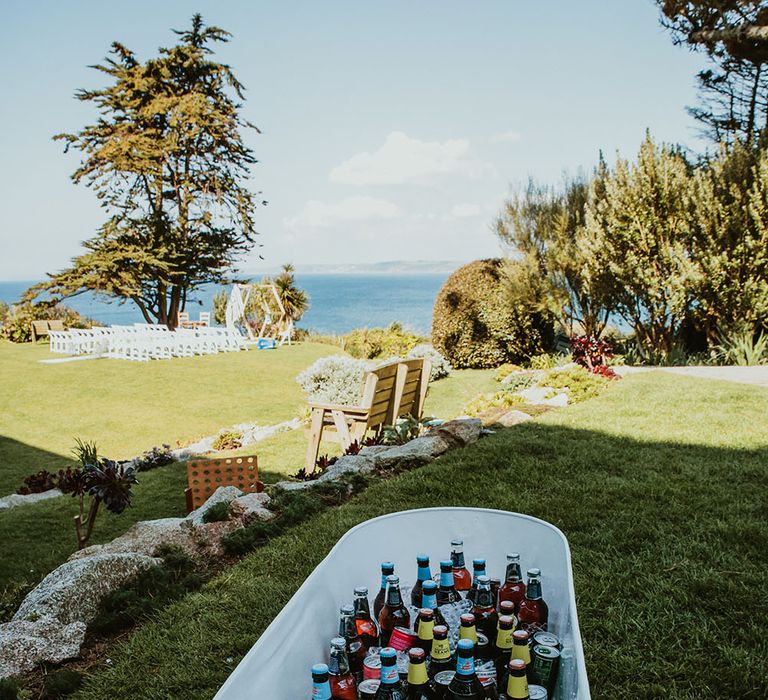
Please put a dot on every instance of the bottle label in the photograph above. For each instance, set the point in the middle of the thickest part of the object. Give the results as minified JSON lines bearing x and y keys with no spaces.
{"x":465,"y":666}
{"x":429,"y":601}
{"x":446,"y":579}
{"x":321,"y":691}
{"x":517,"y":687}
{"x":424,"y":574}
{"x":389,"y":674}
{"x":522,"y":651}
{"x":441,"y":649}
{"x":417,"y":674}
{"x":458,"y":559}
{"x":468,"y":633}
{"x":505,"y":638}
{"x":425,"y":629}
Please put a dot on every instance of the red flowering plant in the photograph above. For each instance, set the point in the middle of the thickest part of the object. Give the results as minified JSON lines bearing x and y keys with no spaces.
{"x":592,"y":354}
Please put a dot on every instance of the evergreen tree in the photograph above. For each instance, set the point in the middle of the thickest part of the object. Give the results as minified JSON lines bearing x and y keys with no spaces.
{"x":167,"y":160}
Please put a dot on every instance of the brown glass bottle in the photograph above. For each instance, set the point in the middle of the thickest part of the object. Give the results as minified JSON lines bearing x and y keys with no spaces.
{"x":513,"y":588}
{"x":424,"y":628}
{"x":486,"y":617}
{"x":366,"y":627}
{"x":394,"y":613}
{"x":355,"y":648}
{"x":517,"y":683}
{"x":440,"y":657}
{"x":465,"y":685}
{"x":417,"y":684}
{"x":502,"y":650}
{"x":423,"y":573}
{"x":447,"y":592}
{"x":387,"y":569}
{"x":429,"y":600}
{"x":462,"y":581}
{"x":343,"y":685}
{"x":478,"y":569}
{"x":390,"y":687}
{"x":533,"y":613}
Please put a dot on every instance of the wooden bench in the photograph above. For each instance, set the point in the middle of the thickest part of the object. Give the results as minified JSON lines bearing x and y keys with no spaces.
{"x":40,"y":329}
{"x":389,"y":391}
{"x":204,"y":476}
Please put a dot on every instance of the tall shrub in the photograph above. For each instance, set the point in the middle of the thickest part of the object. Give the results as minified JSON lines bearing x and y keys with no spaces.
{"x":475,"y":323}
{"x":641,"y":216}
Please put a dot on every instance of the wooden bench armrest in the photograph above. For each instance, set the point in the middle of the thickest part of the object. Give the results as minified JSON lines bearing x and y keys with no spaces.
{"x":339,"y":407}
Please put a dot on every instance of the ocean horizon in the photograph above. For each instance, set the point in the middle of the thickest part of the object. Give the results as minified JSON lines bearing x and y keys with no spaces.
{"x":339,"y":302}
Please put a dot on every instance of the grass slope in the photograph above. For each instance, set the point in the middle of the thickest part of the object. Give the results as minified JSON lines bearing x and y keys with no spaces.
{"x":659,"y":486}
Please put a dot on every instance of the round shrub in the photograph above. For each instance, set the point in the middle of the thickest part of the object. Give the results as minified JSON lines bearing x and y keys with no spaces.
{"x":334,"y":379}
{"x":440,"y":366}
{"x":475,"y":324}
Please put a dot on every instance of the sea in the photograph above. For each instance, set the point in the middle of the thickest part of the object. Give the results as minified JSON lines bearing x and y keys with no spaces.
{"x":338,"y":302}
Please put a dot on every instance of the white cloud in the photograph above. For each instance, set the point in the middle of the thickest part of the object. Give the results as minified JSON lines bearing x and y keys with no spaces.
{"x":402,"y":159}
{"x":506,"y":137}
{"x":465,"y":210}
{"x":323,"y":214}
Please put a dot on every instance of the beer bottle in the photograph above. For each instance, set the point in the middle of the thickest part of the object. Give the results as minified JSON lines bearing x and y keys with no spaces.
{"x":429,"y":600}
{"x":355,"y":648}
{"x":440,"y":658}
{"x":423,"y":573}
{"x":343,"y":686}
{"x":425,"y":624}
{"x":486,"y":617}
{"x":366,"y":627}
{"x":517,"y":683}
{"x":321,"y":688}
{"x":390,"y":688}
{"x":533,"y":613}
{"x":387,"y":569}
{"x":513,"y":588}
{"x":394,"y":613}
{"x":502,"y":650}
{"x":522,"y":650}
{"x":507,"y":607}
{"x":465,"y":685}
{"x":478,"y":569}
{"x":461,"y":578}
{"x":447,"y":592}
{"x":417,"y":685}
{"x":467,"y":630}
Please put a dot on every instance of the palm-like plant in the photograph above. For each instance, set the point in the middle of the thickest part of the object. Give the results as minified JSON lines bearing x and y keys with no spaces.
{"x":295,"y":301}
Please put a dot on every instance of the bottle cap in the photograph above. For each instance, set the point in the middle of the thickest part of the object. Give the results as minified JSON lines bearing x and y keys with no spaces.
{"x":483,"y":580}
{"x":507,"y":622}
{"x":534,"y":572}
{"x":347,"y":609}
{"x":387,"y":567}
{"x":393,"y":580}
{"x":429,"y":585}
{"x":319,"y":669}
{"x":361,"y":590}
{"x":387,"y":653}
{"x":507,"y":607}
{"x":513,"y":556}
{"x":422,"y":558}
{"x":467,"y":620}
{"x":516,"y":665}
{"x":425,"y":613}
{"x":520,"y":636}
{"x":446,"y":565}
{"x":339,"y":643}
{"x":440,"y":631}
{"x":465,"y":645}
{"x":457,"y":543}
{"x":416,"y":655}
{"x":478,"y":563}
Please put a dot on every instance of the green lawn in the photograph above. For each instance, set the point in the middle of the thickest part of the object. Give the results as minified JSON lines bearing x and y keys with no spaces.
{"x":659,"y":485}
{"x":192,"y":397}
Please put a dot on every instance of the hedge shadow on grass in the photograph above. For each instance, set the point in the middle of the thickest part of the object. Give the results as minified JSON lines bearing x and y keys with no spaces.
{"x":669,"y":548}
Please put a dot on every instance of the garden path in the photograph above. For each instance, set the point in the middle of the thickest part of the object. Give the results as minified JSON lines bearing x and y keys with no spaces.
{"x":756,"y":376}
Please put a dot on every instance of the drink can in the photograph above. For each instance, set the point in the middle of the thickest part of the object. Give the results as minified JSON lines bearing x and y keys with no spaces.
{"x":537,"y":692}
{"x":372,"y":667}
{"x":368,"y":688}
{"x":403,"y":639}
{"x":546,"y":639}
{"x":442,"y":681}
{"x":490,"y":688}
{"x":545,"y":661}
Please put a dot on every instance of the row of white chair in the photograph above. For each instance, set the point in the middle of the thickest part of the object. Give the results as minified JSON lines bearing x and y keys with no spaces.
{"x":145,"y":341}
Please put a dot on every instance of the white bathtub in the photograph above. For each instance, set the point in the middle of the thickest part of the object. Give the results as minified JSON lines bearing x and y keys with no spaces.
{"x":278,"y":666}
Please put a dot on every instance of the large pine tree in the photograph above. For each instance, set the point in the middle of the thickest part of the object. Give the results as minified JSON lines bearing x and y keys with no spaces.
{"x":167,"y":160}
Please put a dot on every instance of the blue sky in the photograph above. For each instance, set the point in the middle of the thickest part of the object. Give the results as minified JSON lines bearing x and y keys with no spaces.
{"x":390,"y":130}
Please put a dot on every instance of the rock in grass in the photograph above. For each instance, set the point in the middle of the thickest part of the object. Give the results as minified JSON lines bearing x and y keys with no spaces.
{"x":513,"y":418}
{"x":250,"y":507}
{"x":413,"y":453}
{"x":26,"y":643}
{"x":223,"y":494}
{"x":461,"y":431}
{"x":15,"y":499}
{"x":72,"y":592}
